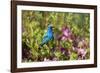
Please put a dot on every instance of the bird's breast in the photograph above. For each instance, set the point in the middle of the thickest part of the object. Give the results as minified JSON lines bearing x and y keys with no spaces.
{"x":50,"y":33}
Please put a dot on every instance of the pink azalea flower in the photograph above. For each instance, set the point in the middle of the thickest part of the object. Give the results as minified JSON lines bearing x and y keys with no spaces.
{"x":81,"y":53}
{"x":66,"y":33}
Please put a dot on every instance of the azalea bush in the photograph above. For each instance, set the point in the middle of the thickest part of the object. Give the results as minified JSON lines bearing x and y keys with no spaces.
{"x":71,"y":36}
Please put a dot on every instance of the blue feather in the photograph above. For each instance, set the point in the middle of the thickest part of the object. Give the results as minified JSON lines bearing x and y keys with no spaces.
{"x":48,"y":36}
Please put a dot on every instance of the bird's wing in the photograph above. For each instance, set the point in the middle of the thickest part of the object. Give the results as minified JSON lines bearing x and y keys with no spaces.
{"x":46,"y":36}
{"x":45,"y":40}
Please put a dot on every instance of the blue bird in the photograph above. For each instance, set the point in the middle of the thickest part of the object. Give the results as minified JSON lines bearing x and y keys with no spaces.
{"x":48,"y":36}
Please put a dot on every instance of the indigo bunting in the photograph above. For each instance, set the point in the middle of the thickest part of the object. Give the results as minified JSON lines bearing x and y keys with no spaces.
{"x":48,"y":36}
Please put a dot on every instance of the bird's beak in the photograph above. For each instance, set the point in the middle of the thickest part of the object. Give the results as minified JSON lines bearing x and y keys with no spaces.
{"x":52,"y":27}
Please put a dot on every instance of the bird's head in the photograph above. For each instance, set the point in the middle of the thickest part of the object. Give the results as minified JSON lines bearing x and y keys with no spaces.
{"x":50,"y":26}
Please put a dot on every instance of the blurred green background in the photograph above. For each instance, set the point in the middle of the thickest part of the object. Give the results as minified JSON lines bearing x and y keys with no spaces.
{"x":34,"y":26}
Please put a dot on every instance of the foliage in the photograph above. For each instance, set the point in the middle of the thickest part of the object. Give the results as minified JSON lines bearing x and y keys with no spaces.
{"x":34,"y":26}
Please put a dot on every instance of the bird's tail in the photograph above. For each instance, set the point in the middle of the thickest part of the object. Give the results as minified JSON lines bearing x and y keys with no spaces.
{"x":40,"y":46}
